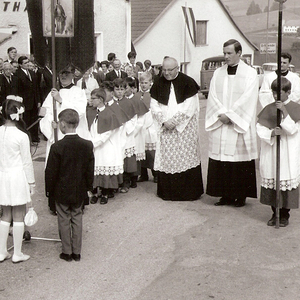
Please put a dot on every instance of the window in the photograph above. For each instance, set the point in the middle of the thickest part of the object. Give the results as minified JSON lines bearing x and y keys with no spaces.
{"x":201,"y":33}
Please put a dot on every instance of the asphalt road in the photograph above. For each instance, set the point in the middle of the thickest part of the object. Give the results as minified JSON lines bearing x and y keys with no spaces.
{"x":138,"y":247}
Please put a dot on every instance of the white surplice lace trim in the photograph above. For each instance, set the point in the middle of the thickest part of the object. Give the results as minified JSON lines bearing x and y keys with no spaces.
{"x":285,"y":185}
{"x":114,"y":170}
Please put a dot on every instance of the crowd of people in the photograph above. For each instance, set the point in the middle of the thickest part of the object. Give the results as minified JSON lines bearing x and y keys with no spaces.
{"x":119,"y":121}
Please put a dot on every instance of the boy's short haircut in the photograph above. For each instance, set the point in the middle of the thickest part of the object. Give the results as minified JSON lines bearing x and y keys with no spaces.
{"x":69,"y":116}
{"x":146,"y":76}
{"x":131,"y":54}
{"x":10,"y":49}
{"x":285,"y":85}
{"x":111,"y":56}
{"x":119,"y":82}
{"x":286,"y":55}
{"x":99,"y":93}
{"x":130,"y":82}
{"x":107,"y":85}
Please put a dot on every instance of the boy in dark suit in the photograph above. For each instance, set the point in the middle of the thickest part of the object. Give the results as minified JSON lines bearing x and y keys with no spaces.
{"x":69,"y":178}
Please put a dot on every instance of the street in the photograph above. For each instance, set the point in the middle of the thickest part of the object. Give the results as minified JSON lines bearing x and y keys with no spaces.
{"x":139,"y":247}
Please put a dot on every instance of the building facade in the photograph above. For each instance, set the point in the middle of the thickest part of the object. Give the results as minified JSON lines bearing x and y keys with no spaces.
{"x":168,"y":34}
{"x":112,"y":28}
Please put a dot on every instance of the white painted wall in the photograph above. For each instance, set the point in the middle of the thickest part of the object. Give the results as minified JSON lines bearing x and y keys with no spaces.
{"x":112,"y":27}
{"x":166,"y":37}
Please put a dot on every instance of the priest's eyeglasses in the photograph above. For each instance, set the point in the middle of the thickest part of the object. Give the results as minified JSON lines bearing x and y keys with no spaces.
{"x":169,"y":70}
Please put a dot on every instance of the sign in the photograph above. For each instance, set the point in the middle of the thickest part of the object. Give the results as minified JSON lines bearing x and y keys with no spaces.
{"x":63,"y":17}
{"x":269,"y":48}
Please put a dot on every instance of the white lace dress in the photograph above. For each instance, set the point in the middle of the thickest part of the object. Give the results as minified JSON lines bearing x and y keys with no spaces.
{"x":16,"y":168}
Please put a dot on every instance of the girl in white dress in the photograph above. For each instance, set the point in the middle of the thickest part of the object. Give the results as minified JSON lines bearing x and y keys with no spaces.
{"x":16,"y":177}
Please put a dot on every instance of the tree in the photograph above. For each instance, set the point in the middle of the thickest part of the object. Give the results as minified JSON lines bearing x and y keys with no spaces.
{"x":253,"y":9}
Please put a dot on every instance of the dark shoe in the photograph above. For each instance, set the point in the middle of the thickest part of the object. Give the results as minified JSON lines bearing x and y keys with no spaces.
{"x":133,"y":185}
{"x":240,"y":202}
{"x":155,"y":179}
{"x":272,"y":221}
{"x":66,"y":257}
{"x":76,"y":257}
{"x":94,"y":200}
{"x":53,"y":213}
{"x":36,"y":140}
{"x":111,"y":195}
{"x":222,"y":201}
{"x":124,"y":189}
{"x":103,"y":200}
{"x":142,"y":179}
{"x":283,"y":222}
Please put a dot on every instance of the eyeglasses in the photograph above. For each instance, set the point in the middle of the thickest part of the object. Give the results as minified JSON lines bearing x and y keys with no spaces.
{"x":169,"y":70}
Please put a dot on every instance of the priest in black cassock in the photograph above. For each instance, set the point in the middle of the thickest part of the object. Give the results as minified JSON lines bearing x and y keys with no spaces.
{"x":175,"y":108}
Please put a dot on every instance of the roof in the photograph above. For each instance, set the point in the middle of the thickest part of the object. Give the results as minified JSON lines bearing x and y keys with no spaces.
{"x":144,"y":14}
{"x":4,"y":37}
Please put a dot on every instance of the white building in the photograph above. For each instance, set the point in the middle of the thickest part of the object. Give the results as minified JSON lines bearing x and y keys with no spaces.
{"x":159,"y":29}
{"x":112,"y":28}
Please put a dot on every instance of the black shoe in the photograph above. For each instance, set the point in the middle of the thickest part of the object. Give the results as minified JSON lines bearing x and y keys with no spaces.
{"x":133,"y":185}
{"x":142,"y":179}
{"x":272,"y":221}
{"x":103,"y":200}
{"x":223,"y":201}
{"x":36,"y":140}
{"x":155,"y":179}
{"x":240,"y":202}
{"x":111,"y":195}
{"x":76,"y":257}
{"x":94,"y":200}
{"x":53,"y":213}
{"x":283,"y":222}
{"x":66,"y":257}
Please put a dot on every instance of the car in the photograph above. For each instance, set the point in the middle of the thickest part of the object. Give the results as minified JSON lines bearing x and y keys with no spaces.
{"x":209,"y":65}
{"x":270,"y":67}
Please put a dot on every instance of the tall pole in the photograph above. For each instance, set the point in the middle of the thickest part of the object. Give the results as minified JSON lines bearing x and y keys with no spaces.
{"x":268,"y":14}
{"x":53,"y":65}
{"x":278,"y":204}
{"x":184,"y":43}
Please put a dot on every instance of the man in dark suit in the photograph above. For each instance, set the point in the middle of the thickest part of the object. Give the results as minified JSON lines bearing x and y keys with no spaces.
{"x":116,"y":72}
{"x":46,"y":81}
{"x":69,"y":177}
{"x":8,"y":82}
{"x":29,"y":90}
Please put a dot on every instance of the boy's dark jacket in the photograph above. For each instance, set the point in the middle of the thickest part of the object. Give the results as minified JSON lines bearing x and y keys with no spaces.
{"x":69,"y":172}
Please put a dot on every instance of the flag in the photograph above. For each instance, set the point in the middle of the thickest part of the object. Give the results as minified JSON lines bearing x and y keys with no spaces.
{"x":190,"y":22}
{"x":77,"y":49}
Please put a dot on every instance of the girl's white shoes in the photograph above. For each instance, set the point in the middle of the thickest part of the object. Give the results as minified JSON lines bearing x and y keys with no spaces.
{"x":19,"y":258}
{"x":5,"y":256}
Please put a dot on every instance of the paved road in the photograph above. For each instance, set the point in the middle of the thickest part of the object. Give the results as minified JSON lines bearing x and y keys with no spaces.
{"x":138,"y":247}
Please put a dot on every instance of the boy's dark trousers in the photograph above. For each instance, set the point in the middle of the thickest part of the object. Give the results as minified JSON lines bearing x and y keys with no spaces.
{"x":70,"y":227}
